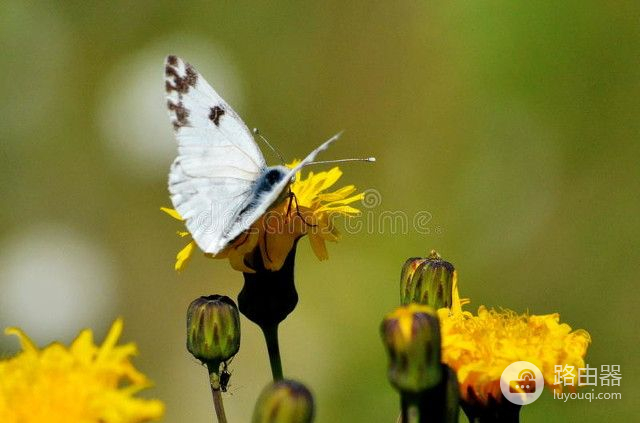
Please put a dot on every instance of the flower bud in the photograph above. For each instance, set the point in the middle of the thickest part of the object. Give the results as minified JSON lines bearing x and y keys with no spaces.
{"x":411,"y":335}
{"x":406,"y":278}
{"x":427,"y":281}
{"x":213,"y":329}
{"x":284,"y":401}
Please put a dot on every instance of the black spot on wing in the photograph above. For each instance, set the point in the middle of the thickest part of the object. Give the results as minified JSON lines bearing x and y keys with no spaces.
{"x":171,"y":71}
{"x":180,"y":112}
{"x":176,"y":82}
{"x":192,"y":76}
{"x":215,"y":114}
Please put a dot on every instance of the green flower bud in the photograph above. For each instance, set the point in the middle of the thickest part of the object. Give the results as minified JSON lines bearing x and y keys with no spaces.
{"x":427,"y":281}
{"x":284,"y":401}
{"x":213,"y":330}
{"x":411,"y":335}
{"x":406,"y":278}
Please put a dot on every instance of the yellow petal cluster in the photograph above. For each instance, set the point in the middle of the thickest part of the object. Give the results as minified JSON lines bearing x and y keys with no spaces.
{"x":310,"y":212}
{"x":83,"y":383}
{"x":479,"y":347}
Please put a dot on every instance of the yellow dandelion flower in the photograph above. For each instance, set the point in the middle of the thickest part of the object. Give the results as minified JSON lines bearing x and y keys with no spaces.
{"x":274,"y":235}
{"x":84,"y":383}
{"x":479,"y":347}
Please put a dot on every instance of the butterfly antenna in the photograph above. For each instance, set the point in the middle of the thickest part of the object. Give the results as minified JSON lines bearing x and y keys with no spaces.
{"x":367,"y":159}
{"x":256,"y":132}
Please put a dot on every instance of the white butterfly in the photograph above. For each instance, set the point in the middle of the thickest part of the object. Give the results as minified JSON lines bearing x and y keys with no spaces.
{"x":219,"y":183}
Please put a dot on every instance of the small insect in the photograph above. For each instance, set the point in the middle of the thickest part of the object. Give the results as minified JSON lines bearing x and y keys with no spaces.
{"x":219,"y":182}
{"x":225,"y":376}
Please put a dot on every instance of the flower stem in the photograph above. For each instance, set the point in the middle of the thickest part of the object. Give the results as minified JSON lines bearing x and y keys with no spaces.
{"x":410,"y":406}
{"x":484,"y":419}
{"x":217,"y":402}
{"x":273,"y":348}
{"x":495,"y":412}
{"x":216,"y":393}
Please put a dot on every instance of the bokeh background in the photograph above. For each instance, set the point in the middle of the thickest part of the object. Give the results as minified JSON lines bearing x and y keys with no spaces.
{"x":513,"y":124}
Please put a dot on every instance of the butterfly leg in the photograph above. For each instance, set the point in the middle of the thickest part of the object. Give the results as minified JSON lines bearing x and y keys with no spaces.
{"x":266,"y":248}
{"x":290,"y":196}
{"x":293,"y":198}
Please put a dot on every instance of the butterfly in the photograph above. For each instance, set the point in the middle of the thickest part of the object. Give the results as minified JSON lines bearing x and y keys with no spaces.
{"x":219,"y":182}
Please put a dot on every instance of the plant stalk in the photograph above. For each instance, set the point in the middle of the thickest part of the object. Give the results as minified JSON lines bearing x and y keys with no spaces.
{"x":273,"y":348}
{"x":216,"y":393}
{"x":410,"y":406}
{"x":494,"y":412}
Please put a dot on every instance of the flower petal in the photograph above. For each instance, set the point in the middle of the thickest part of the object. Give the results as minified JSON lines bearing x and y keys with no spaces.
{"x":183,"y":256}
{"x":172,"y":212}
{"x":25,"y":342}
{"x":319,"y":247}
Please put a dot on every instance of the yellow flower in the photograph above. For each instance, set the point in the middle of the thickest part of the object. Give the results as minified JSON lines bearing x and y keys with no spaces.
{"x":84,"y":383}
{"x":274,"y":235}
{"x":479,"y":347}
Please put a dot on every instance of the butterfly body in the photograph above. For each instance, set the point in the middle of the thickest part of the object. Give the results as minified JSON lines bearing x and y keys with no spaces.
{"x":219,"y":182}
{"x":266,"y":184}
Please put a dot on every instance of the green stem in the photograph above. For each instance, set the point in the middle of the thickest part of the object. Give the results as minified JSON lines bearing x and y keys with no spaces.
{"x":409,"y":404}
{"x":217,"y":402}
{"x":273,"y":348}
{"x":216,"y":393}
{"x":495,"y":419}
{"x":414,"y":414}
{"x":404,"y":410}
{"x":495,"y":412}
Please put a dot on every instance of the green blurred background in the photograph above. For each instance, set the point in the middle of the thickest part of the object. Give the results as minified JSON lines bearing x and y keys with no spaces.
{"x":513,"y":124}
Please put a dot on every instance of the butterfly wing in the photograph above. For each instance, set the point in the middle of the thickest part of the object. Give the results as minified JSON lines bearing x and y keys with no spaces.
{"x":218,"y":160}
